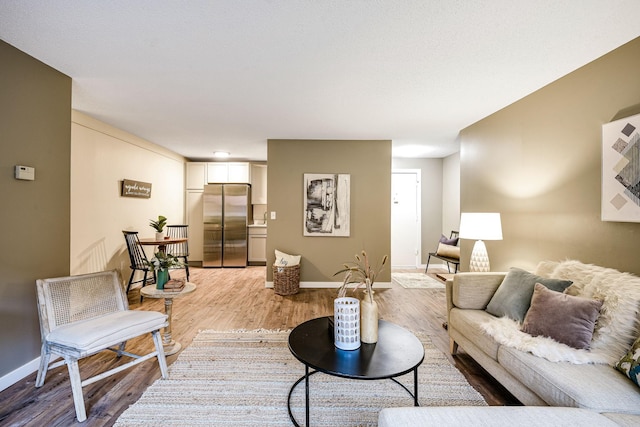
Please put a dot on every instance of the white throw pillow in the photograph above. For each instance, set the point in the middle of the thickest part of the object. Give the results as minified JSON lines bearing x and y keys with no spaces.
{"x":286,"y":260}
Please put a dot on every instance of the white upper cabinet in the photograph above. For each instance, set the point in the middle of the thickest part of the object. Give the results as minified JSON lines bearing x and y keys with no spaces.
{"x":217,"y":172}
{"x":258,"y":184}
{"x":228,"y":172}
{"x":196,"y":175}
{"x":239,"y":172}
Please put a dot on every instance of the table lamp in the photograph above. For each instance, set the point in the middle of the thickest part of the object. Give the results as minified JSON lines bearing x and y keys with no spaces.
{"x":480,"y":226}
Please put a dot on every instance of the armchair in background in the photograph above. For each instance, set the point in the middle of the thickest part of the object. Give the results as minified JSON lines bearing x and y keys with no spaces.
{"x":448,"y":251}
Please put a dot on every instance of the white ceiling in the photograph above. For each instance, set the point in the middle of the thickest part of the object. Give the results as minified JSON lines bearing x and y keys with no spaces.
{"x":200,"y":76}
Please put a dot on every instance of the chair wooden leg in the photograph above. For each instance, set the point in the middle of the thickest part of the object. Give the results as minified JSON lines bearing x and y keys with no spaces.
{"x":186,"y":267}
{"x":133,"y":272}
{"x":121,"y":347}
{"x":162,"y":360}
{"x":427,"y":267}
{"x":144,"y":283}
{"x":76,"y":389}
{"x":453,"y":346}
{"x":45,"y":356}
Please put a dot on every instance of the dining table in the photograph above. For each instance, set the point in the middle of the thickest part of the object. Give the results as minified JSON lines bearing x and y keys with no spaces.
{"x":162,"y":244}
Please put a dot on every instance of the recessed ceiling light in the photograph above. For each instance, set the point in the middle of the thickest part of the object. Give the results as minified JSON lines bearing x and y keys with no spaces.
{"x":221,"y":154}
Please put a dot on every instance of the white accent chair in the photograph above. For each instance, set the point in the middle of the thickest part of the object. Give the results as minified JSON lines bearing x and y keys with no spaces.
{"x":85,"y":314}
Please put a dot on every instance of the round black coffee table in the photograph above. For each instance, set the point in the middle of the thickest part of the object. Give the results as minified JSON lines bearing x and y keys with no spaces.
{"x":396,"y":353}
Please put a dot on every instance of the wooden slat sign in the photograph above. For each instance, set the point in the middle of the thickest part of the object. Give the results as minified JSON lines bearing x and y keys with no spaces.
{"x":139,"y":189}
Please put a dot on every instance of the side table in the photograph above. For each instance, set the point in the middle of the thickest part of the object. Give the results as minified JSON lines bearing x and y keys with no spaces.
{"x":170,"y":346}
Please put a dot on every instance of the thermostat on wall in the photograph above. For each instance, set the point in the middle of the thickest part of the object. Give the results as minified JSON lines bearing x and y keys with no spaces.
{"x":25,"y":172}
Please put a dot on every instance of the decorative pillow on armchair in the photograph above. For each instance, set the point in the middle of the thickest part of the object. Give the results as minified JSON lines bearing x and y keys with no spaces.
{"x":513,"y":296}
{"x":448,"y":251}
{"x":564,"y":318}
{"x":447,"y":241}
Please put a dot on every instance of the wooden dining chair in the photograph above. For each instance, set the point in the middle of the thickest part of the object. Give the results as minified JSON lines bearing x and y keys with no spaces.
{"x":179,"y":250}
{"x":138,"y":260}
{"x":85,"y":314}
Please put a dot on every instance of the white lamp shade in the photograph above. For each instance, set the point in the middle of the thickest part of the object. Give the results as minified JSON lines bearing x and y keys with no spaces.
{"x":480,"y":226}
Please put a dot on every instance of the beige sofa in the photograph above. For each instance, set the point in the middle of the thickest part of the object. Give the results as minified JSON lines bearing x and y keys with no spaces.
{"x":557,"y":376}
{"x":536,"y":380}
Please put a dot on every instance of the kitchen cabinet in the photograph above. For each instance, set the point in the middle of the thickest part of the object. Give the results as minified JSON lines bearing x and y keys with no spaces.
{"x":239,"y":172}
{"x":193,"y":214}
{"x":257,"y":245}
{"x":234,"y":172}
{"x":196,"y":175}
{"x":258,"y":184}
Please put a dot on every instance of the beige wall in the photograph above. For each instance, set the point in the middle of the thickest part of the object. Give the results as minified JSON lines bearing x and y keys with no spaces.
{"x":35,"y":115}
{"x":101,"y":157}
{"x":369,"y":164}
{"x":537,"y":162}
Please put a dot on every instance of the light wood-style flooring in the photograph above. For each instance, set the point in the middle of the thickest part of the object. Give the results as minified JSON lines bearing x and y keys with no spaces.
{"x":225,"y":299}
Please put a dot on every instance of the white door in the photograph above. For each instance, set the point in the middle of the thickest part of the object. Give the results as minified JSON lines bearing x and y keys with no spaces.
{"x":405,"y":218}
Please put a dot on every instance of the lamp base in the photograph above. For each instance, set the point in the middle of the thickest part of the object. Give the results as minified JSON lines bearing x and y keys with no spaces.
{"x":479,"y":258}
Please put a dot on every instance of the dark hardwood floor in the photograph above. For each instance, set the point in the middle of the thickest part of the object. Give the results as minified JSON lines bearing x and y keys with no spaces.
{"x":225,"y":299}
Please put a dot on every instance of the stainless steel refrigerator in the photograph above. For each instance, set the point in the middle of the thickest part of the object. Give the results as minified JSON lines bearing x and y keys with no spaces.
{"x":226,"y":216}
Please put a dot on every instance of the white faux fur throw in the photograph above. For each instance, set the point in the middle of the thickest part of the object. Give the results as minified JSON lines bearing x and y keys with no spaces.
{"x":507,"y":332}
{"x":616,"y":327}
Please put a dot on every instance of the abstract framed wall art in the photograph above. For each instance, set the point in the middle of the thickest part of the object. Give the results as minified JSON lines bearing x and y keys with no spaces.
{"x":327,"y":204}
{"x":621,"y":170}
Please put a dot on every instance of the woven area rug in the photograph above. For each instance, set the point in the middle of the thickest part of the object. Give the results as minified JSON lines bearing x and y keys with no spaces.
{"x":416,"y":280}
{"x":243,"y":378}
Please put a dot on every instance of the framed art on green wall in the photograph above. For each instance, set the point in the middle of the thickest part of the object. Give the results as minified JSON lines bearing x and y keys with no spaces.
{"x":326,"y":204}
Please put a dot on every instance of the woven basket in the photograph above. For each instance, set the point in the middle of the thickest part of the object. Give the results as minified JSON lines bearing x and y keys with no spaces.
{"x":286,"y":280}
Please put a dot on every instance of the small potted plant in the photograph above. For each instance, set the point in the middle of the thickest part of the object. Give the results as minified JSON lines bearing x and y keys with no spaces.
{"x":159,"y":226}
{"x":161,"y":263}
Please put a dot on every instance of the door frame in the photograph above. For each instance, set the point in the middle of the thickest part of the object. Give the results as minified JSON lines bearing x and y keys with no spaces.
{"x":418,"y":173}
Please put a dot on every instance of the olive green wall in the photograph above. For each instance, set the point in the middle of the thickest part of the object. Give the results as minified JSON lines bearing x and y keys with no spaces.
{"x":537,"y":162}
{"x":35,"y":118}
{"x":369,"y":164}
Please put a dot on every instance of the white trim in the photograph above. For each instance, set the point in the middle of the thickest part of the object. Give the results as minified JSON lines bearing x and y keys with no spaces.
{"x":406,"y":267}
{"x":17,"y":374}
{"x":330,"y":285}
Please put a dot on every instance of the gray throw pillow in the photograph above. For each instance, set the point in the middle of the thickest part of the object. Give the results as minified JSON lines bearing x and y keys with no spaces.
{"x":513,"y":296}
{"x":564,"y":318}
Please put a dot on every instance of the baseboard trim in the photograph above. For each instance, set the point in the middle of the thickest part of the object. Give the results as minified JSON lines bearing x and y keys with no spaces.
{"x":16,"y":375}
{"x":330,"y":285}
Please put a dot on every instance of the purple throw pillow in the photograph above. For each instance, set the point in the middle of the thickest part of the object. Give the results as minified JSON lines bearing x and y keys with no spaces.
{"x":446,"y":241}
{"x":565,"y":318}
